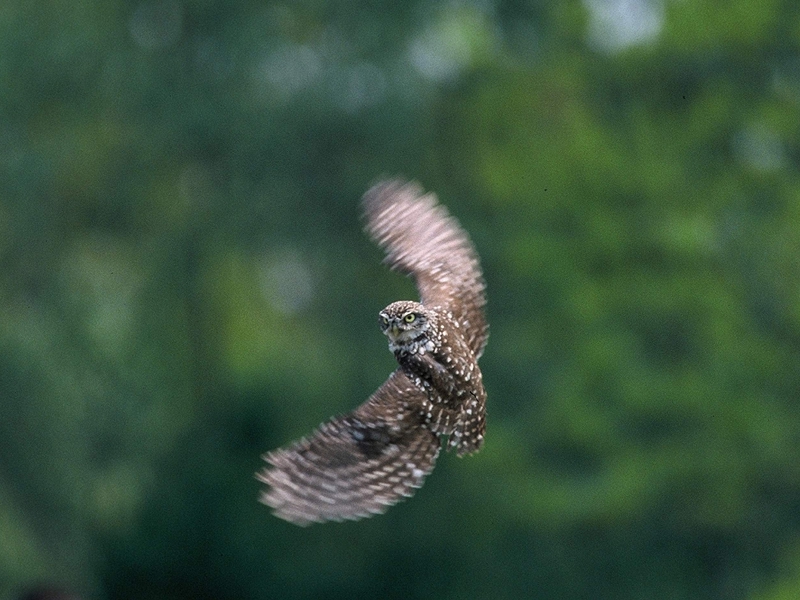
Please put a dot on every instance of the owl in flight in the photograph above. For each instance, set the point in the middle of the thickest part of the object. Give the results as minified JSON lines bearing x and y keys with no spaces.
{"x":357,"y":465}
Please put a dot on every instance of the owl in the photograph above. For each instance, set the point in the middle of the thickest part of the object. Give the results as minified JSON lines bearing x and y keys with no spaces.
{"x":358,"y":464}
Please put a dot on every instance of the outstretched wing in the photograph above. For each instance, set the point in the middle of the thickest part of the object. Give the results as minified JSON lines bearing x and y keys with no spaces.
{"x":422,"y":239}
{"x":355,"y":465}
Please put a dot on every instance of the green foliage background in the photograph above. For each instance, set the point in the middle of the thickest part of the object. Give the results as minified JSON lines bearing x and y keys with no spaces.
{"x":184,"y":284}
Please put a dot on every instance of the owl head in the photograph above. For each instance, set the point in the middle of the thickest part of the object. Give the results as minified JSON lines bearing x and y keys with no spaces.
{"x":404,"y":321}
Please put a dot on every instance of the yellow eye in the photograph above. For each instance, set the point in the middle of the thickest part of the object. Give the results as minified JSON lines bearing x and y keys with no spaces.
{"x":410,"y":318}
{"x":384,"y":321}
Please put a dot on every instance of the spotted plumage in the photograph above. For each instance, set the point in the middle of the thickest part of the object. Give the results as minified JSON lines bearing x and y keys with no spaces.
{"x":433,"y":353}
{"x":358,"y":464}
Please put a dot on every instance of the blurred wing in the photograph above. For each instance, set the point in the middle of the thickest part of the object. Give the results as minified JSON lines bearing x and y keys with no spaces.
{"x":356,"y":465}
{"x":422,"y":239}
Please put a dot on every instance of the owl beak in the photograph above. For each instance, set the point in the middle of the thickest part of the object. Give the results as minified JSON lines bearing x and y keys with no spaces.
{"x":394,"y":331}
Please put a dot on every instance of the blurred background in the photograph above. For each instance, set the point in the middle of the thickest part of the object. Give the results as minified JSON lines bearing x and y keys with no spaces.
{"x":184,"y":284}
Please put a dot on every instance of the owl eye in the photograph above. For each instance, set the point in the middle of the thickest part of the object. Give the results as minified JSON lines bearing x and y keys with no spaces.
{"x":410,"y":318}
{"x":384,"y":321}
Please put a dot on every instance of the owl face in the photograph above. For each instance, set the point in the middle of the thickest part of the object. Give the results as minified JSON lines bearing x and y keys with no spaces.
{"x":404,"y":321}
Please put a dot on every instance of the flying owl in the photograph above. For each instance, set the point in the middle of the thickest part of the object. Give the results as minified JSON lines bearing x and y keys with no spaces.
{"x":359,"y":464}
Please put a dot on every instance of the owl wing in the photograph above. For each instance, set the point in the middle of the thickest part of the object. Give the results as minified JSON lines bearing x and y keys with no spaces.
{"x":355,"y":465}
{"x":422,"y":239}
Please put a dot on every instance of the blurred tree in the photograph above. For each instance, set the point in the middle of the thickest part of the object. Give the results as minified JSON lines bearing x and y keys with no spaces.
{"x":181,"y":264}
